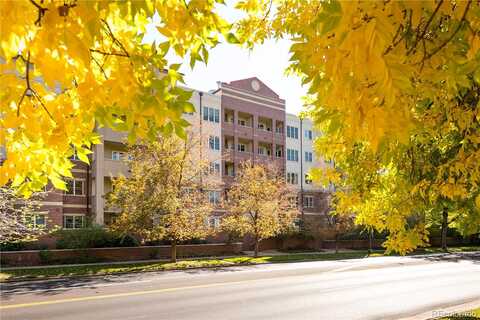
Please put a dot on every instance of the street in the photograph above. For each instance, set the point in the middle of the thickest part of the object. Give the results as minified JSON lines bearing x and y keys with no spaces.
{"x":374,"y":288}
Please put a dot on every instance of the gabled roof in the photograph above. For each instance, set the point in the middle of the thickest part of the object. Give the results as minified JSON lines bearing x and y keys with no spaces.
{"x":255,"y":86}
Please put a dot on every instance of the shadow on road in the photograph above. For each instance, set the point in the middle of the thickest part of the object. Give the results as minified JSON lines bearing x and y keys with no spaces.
{"x":50,"y":287}
{"x":452,"y":257}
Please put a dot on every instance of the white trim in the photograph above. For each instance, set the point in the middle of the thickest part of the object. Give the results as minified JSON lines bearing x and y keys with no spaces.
{"x":79,"y":170}
{"x":260,"y":97}
{"x":256,"y":102}
{"x":314,"y":213}
{"x":75,"y":206}
{"x":51,"y":203}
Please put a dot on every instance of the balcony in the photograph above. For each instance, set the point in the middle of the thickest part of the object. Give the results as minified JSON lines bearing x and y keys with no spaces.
{"x":115,"y":168}
{"x":114,"y":136}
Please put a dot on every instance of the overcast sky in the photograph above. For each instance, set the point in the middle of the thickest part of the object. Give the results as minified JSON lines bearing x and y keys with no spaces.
{"x":228,"y":62}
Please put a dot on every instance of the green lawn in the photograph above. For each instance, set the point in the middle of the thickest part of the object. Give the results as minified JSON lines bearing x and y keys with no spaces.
{"x":19,"y":274}
{"x":36,"y":273}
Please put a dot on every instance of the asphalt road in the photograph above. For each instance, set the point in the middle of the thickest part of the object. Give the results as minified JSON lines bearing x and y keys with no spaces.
{"x":374,"y":288}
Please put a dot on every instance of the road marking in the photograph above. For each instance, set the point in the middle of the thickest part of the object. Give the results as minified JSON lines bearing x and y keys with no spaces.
{"x":119,"y":295}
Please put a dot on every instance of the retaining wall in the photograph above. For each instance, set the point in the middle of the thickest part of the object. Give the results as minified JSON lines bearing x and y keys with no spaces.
{"x":65,"y":256}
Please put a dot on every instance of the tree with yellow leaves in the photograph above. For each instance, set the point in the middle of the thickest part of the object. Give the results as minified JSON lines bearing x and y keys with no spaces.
{"x":69,"y":66}
{"x":385,"y":79}
{"x":165,"y":196}
{"x":393,"y":85}
{"x":259,"y":204}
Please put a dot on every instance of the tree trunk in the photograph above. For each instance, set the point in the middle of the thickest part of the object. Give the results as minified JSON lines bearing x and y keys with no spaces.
{"x":444,"y":229}
{"x":370,"y":242}
{"x":257,"y":245}
{"x":173,"y":251}
{"x":336,"y":242}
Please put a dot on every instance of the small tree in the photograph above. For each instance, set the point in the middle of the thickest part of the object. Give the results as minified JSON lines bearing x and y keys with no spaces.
{"x":17,"y":216}
{"x":164,"y":198}
{"x":259,"y":203}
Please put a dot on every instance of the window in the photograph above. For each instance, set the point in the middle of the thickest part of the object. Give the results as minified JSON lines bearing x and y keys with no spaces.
{"x":293,"y":200}
{"x":279,"y":130}
{"x":213,"y":222}
{"x":214,"y":197}
{"x":292,"y":155}
{"x":230,"y":170}
{"x":74,"y":187}
{"x":308,"y":156}
{"x":118,"y":155}
{"x":214,"y":168}
{"x":292,"y":132}
{"x":264,"y":151}
{"x":214,"y":143}
{"x":308,"y":180}
{"x":308,"y":134}
{"x":242,"y":122}
{"x":229,"y":144}
{"x":308,"y":201}
{"x":211,"y":114}
{"x":37,"y":220}
{"x":229,"y":117}
{"x":292,"y":178}
{"x":278,"y":153}
{"x":73,"y":221}
{"x":74,"y":155}
{"x":242,"y":147}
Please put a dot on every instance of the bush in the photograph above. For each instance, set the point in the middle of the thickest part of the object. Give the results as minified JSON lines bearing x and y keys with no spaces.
{"x":19,"y":246}
{"x":12,"y":246}
{"x":93,"y":237}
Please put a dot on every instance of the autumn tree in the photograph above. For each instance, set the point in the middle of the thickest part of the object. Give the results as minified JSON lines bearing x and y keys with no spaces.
{"x":259,"y":203}
{"x":164,"y":198}
{"x":386,"y":80}
{"x":17,"y":217}
{"x":67,"y":66}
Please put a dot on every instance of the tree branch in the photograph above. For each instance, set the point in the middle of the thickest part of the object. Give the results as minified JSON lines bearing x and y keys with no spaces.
{"x":440,"y":47}
{"x":41,"y":13}
{"x":424,"y":32}
{"x":115,"y":40}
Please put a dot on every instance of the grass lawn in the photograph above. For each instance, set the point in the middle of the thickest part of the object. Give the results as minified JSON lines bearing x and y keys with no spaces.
{"x":38,"y":273}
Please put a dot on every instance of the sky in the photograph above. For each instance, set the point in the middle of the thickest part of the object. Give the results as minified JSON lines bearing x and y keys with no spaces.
{"x":229,"y":62}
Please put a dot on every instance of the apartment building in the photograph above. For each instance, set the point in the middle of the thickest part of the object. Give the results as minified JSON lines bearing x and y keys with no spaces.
{"x":300,"y":159}
{"x":253,"y":120}
{"x":240,"y":120}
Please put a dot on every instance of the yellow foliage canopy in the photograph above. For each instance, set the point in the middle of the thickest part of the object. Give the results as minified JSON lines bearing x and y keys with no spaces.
{"x":67,"y":67}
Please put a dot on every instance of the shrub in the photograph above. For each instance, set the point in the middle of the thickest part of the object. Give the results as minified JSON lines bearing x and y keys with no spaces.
{"x":92,"y":237}
{"x":12,"y":246}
